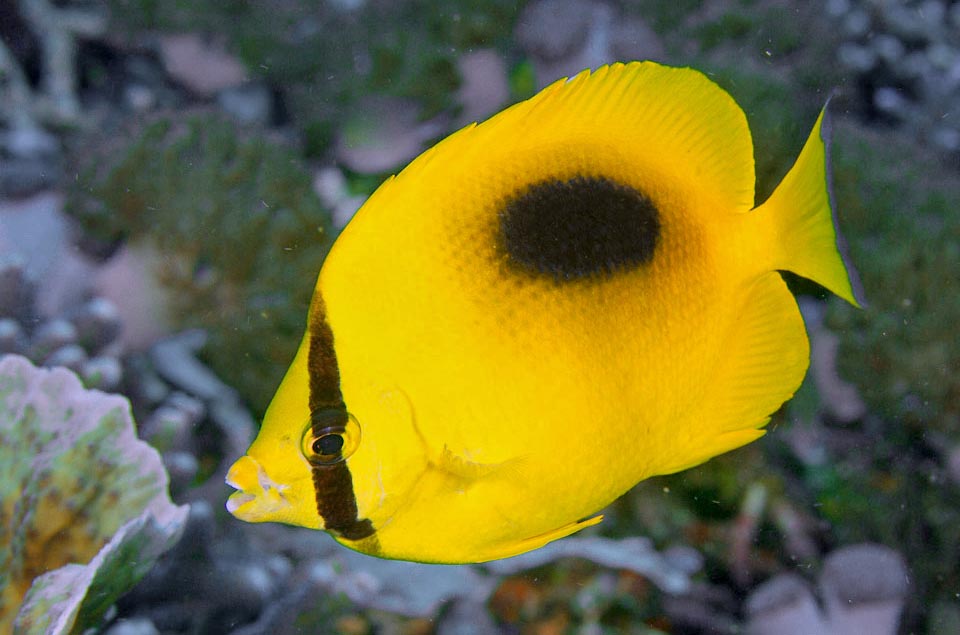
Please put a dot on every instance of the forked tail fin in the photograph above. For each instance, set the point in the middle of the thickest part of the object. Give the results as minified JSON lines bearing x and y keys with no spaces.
{"x":802,"y":213}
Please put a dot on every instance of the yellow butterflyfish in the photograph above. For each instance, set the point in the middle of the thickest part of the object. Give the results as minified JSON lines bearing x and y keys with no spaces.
{"x":538,"y":313}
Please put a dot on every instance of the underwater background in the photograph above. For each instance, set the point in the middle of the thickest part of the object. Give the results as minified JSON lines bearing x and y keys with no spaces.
{"x":171,"y":176}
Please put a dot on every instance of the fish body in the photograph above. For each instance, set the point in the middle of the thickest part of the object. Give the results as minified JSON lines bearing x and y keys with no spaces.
{"x":538,"y":313}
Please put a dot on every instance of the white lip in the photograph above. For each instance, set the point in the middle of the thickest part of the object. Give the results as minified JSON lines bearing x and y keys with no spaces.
{"x":258,"y":497}
{"x":238,"y":500}
{"x":232,"y":482}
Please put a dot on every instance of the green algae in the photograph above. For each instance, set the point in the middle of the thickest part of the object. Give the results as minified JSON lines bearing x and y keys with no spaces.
{"x":240,"y":233}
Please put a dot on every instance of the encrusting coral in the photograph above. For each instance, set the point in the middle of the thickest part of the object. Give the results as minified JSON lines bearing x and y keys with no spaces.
{"x":84,"y":509}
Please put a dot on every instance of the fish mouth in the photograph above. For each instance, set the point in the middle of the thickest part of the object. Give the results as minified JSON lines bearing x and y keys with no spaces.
{"x":258,"y":497}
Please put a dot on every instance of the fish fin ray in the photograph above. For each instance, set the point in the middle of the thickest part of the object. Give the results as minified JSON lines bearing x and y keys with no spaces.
{"x":535,"y":542}
{"x":803,"y":215}
{"x":765,"y":356}
{"x":675,"y":121}
{"x":679,"y":115}
{"x":466,"y":469}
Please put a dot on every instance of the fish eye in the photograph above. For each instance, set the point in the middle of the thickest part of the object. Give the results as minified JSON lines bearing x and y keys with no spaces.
{"x":331,"y":437}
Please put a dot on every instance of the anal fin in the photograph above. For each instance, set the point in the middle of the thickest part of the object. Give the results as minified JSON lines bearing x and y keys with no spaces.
{"x":764,"y":358}
{"x":535,"y":542}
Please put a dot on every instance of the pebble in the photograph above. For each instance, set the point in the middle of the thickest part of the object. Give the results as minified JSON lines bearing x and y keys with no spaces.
{"x":864,"y":573}
{"x":170,"y":428}
{"x":249,"y":104}
{"x":383,"y":134}
{"x":857,"y":57}
{"x":102,"y":372}
{"x":466,"y":617}
{"x":12,"y":337}
{"x":946,"y":138}
{"x":23,"y":177}
{"x":139,"y":98}
{"x":71,"y":356}
{"x":891,"y":101}
{"x":202,"y":66}
{"x":484,"y":88}
{"x":136,"y":626}
{"x":888,"y":48}
{"x":97,"y":323}
{"x":16,"y":289}
{"x":953,"y":465}
{"x":909,"y":44}
{"x":174,"y":359}
{"x":30,"y":142}
{"x":552,"y":29}
{"x":182,"y":468}
{"x":50,"y":336}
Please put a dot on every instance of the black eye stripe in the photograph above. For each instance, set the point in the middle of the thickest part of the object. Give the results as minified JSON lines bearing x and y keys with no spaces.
{"x":333,"y":483}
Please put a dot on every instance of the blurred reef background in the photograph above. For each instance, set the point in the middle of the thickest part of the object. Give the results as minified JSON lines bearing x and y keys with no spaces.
{"x":171,"y":175}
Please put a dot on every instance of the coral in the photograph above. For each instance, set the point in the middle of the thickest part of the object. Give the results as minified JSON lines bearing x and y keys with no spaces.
{"x":58,"y":30}
{"x":84,"y":510}
{"x":238,"y":232}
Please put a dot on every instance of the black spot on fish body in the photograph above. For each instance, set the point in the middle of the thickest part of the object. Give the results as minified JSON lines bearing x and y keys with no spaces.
{"x":578,"y":228}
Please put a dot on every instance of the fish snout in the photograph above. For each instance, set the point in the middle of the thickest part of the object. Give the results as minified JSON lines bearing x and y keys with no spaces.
{"x":258,"y":498}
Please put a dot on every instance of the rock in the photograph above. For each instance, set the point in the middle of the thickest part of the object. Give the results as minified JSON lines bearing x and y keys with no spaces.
{"x":864,"y":588}
{"x":330,"y":185}
{"x":12,"y":337}
{"x":564,"y":37}
{"x":250,"y":103}
{"x":97,"y":322}
{"x":16,"y":290}
{"x":139,"y":98}
{"x":71,"y":356}
{"x":384,"y":134}
{"x":202,"y":66}
{"x":129,"y":282}
{"x":856,"y":57}
{"x":633,"y":39}
{"x":67,"y":283}
{"x":484,"y":88}
{"x":465,"y":617}
{"x":183,"y":468}
{"x":633,"y":554}
{"x":137,"y":626}
{"x":553,"y":29}
{"x":31,"y":142}
{"x":953,"y":465}
{"x":170,"y":427}
{"x":891,"y":101}
{"x":888,"y":48}
{"x":102,"y":373}
{"x":175,"y":360}
{"x":840,"y":398}
{"x":784,"y":605}
{"x":37,"y":229}
{"x":51,"y":336}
